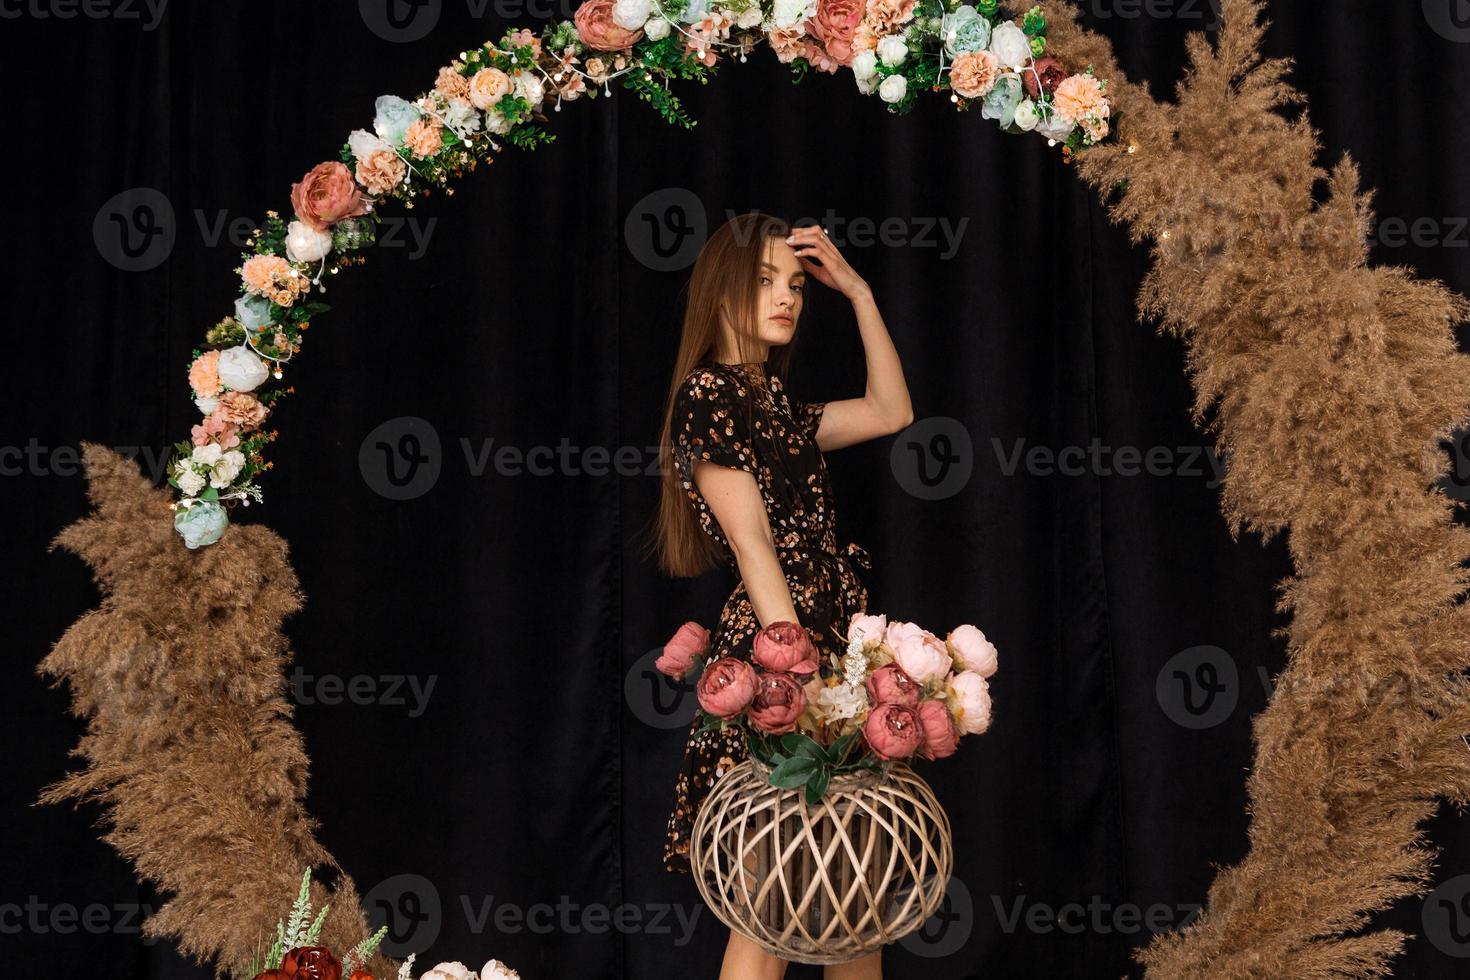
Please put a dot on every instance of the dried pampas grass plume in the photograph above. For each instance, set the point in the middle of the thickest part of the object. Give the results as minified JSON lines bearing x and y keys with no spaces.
{"x":189,"y":746}
{"x":1332,"y":386}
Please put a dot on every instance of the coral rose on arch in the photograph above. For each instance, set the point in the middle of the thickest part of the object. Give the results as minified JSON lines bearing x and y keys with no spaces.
{"x":834,"y":24}
{"x":598,"y":30}
{"x":327,"y":195}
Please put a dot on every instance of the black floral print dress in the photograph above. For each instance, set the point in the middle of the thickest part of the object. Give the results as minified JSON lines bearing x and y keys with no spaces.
{"x":739,"y":415}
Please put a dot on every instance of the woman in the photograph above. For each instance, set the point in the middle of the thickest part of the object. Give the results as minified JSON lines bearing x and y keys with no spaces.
{"x":749,"y":486}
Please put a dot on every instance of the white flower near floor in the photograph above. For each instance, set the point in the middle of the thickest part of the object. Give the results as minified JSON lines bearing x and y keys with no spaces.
{"x":631,"y":14}
{"x":207,"y":455}
{"x":893,"y":88}
{"x":226,"y":468}
{"x":190,"y":482}
{"x":496,"y":970}
{"x":892,"y":49}
{"x":241,"y":369}
{"x":305,"y":244}
{"x":1011,"y":45}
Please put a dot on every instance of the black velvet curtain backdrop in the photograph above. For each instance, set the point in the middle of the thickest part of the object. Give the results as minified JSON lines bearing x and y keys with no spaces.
{"x":493,"y":753}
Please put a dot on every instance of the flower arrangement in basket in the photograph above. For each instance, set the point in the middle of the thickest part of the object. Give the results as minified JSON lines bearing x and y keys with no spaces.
{"x":899,"y":691}
{"x":295,"y":955}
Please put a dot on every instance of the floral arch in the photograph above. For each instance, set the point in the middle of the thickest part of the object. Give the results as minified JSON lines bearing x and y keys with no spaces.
{"x":1315,"y":369}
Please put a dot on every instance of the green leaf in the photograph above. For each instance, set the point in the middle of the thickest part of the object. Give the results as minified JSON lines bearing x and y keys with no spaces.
{"x":817,"y":785}
{"x":210,"y":493}
{"x":793,"y":772}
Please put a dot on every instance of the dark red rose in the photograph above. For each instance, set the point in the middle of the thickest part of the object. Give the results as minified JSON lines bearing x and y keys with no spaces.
{"x":778,"y":702}
{"x":1051,"y":75}
{"x":271,"y":975}
{"x":311,"y":963}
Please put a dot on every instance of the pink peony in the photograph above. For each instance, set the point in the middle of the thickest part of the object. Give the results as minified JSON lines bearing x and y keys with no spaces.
{"x":241,"y":408}
{"x":690,"y":641}
{"x":923,"y":656}
{"x":326,"y":196}
{"x":382,"y":171}
{"x":897,"y":631}
{"x":204,"y":375}
{"x":598,"y":30}
{"x":726,"y":687}
{"x":969,"y":701}
{"x":893,"y":731}
{"x":868,"y":628}
{"x":834,"y":24}
{"x":890,"y":685}
{"x":488,"y":87}
{"x":973,"y":650}
{"x":778,"y":702}
{"x":940,"y":739}
{"x":785,"y":647}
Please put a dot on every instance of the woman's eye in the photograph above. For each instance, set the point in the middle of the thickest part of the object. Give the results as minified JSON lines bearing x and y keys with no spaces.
{"x":765,"y":280}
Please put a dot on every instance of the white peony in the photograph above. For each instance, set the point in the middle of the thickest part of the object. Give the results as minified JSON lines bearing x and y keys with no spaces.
{"x":190,"y":482}
{"x":207,"y":455}
{"x":1026,"y":115}
{"x":241,"y":370}
{"x":1010,"y":45}
{"x":841,"y":702}
{"x":789,"y":13}
{"x":749,"y":17}
{"x":892,"y":49}
{"x":305,"y":244}
{"x":630,"y":14}
{"x":462,"y":117}
{"x":496,"y":970}
{"x":206,"y":406}
{"x":364,"y":144}
{"x":865,"y":64}
{"x":656,"y":29}
{"x":971,"y":695}
{"x":226,"y":468}
{"x":893,"y":88}
{"x":448,"y":971}
{"x":530,"y":88}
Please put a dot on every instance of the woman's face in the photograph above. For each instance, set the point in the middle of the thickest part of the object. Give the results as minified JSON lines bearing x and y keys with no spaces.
{"x":778,"y":300}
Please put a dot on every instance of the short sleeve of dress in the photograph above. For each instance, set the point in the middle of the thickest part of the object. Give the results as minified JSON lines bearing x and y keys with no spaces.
{"x":809,"y":417}
{"x":711,"y":422}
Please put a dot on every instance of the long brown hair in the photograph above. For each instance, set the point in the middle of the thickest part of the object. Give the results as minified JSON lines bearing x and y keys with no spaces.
{"x":725,"y":277}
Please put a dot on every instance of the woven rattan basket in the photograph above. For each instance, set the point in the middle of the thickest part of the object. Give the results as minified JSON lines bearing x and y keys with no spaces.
{"x":826,"y":883}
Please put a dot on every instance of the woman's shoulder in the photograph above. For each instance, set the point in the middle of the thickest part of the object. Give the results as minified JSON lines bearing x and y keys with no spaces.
{"x":713,"y":380}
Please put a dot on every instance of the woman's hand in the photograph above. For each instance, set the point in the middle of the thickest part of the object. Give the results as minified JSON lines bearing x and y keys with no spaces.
{"x":820,"y":258}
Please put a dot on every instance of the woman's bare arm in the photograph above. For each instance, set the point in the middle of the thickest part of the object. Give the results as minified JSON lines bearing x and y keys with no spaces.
{"x":735,"y":500}
{"x":885,"y":407}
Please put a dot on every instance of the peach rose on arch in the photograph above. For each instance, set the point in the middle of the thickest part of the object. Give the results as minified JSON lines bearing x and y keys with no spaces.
{"x":327,"y":195}
{"x":834,"y":24}
{"x":598,"y":30}
{"x":973,"y":74}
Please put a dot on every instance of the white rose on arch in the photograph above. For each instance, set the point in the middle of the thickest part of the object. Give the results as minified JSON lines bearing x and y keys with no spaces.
{"x":364,"y":144}
{"x":656,"y":29}
{"x":447,"y":971}
{"x":226,"y":468}
{"x":1026,"y":115}
{"x":206,"y":406}
{"x":1010,"y":45}
{"x":865,"y":65}
{"x":496,"y":970}
{"x":190,"y":482}
{"x":749,"y":17}
{"x":631,"y":14}
{"x":892,"y":49}
{"x":241,"y":370}
{"x":1056,"y":126}
{"x":893,"y":88}
{"x":305,"y":244}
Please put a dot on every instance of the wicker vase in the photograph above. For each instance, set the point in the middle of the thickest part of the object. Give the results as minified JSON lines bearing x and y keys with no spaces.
{"x":826,"y":883}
